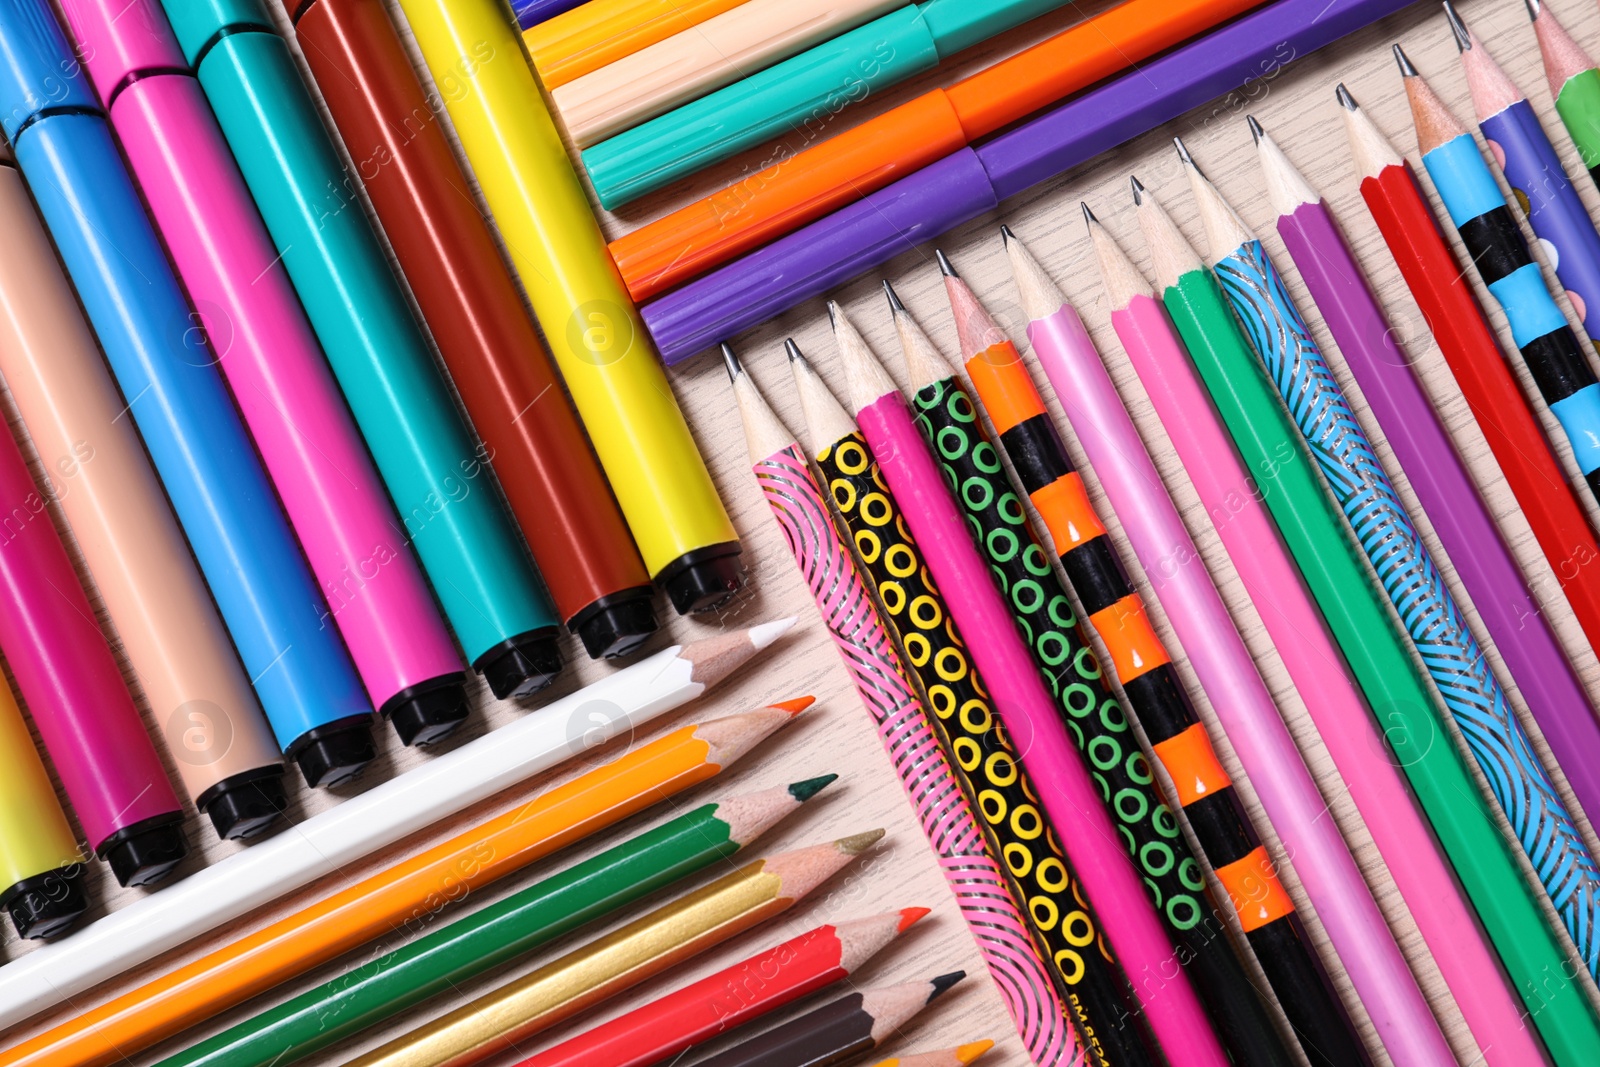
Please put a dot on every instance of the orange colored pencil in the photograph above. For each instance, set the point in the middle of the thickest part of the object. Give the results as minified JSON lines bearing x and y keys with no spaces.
{"x":387,"y":900}
{"x":761,"y":207}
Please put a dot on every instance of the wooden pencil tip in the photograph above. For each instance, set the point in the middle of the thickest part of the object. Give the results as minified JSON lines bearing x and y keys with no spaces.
{"x":943,"y":983}
{"x":1138,"y":190}
{"x":730,"y":361}
{"x":1006,"y":236}
{"x":944,"y":264}
{"x":766,"y":633}
{"x":1346,"y":101}
{"x":856,"y":844}
{"x":1533,"y":7}
{"x":969,"y":1053}
{"x":909,"y":917}
{"x":1404,"y":61}
{"x":1458,"y":29}
{"x":892,"y":296}
{"x":1183,"y":153}
{"x":804,"y":791}
{"x":795,"y":706}
{"x":792,"y":350}
{"x":1089,"y":219}
{"x":1256,"y":132}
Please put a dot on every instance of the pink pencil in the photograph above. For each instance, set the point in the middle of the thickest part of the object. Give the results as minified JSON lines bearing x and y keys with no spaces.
{"x":1297,"y":630}
{"x":318,"y":463}
{"x":1092,"y":843}
{"x":1228,"y":674}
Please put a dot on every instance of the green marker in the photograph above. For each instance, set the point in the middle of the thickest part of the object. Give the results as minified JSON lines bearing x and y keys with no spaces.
{"x":800,"y":96}
{"x":1574,"y":82}
{"x":440,"y":483}
{"x":1333,"y":567}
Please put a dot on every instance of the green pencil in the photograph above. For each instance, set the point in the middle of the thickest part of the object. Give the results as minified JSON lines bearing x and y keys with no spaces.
{"x":1334,"y":569}
{"x":500,"y":932}
{"x":1574,"y":82}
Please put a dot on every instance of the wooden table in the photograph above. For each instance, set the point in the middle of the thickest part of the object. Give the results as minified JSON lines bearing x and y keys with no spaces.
{"x":1296,"y":104}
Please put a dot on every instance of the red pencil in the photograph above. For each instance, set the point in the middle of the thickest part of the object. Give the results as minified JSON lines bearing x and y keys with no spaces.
{"x":1441,"y":289}
{"x":748,"y":990}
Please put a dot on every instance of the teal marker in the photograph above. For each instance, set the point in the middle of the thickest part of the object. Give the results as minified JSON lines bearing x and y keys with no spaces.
{"x":441,"y":484}
{"x":799,"y":97}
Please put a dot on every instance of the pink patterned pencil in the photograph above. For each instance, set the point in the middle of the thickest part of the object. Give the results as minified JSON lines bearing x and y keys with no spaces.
{"x":942,"y":809}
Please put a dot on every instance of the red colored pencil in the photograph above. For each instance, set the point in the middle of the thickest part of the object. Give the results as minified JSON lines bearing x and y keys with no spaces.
{"x":1441,"y":289}
{"x":748,"y":990}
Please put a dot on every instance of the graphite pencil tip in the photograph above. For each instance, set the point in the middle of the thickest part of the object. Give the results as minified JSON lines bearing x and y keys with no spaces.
{"x":1183,"y":153}
{"x":1346,"y":101}
{"x":792,"y":350}
{"x":1457,"y":28}
{"x":730,"y":360}
{"x":944,"y":982}
{"x":944,"y":264}
{"x":804,"y":791}
{"x":1088,"y":215}
{"x":1138,"y":190}
{"x":1406,"y":69}
{"x":892,"y":296}
{"x":1006,"y":235}
{"x":1256,"y":132}
{"x":833,"y":314}
{"x":1533,"y":7}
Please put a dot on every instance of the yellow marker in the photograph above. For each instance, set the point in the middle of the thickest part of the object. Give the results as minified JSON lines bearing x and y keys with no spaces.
{"x":40,"y":861}
{"x":616,"y":379}
{"x":599,"y":33}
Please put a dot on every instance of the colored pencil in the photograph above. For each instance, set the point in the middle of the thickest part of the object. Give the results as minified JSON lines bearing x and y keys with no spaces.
{"x":1329,"y":560}
{"x":502,"y":368}
{"x":1043,"y":612}
{"x":584,"y":977}
{"x":838,"y":1032}
{"x":669,"y":251}
{"x":1574,"y":84}
{"x":392,"y":897}
{"x":437,"y":475}
{"x":1523,"y":150}
{"x":1459,"y":517}
{"x":1070,"y":797}
{"x":971,"y":182}
{"x":689,"y":544}
{"x":975,"y":744}
{"x":986,"y":903}
{"x":795,"y":99}
{"x":384,"y":814}
{"x":748,"y":990}
{"x":600,"y":32}
{"x":1405,"y":569}
{"x":377,"y":598}
{"x":41,"y":865}
{"x":137,"y":559}
{"x":1245,"y":708}
{"x":697,"y":61}
{"x":1231,"y":498}
{"x":960,"y":1056}
{"x":1503,"y":260}
{"x":439,"y":961}
{"x":235,"y":527}
{"x":1440,"y":286}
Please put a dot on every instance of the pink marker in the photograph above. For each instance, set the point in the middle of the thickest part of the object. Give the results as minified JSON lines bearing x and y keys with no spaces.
{"x":318,"y":463}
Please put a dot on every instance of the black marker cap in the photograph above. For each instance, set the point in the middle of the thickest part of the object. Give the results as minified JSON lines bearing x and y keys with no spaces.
{"x":46,"y":904}
{"x":429,"y":711}
{"x":522,"y":665}
{"x":145,"y":851}
{"x":705,"y":579}
{"x":334,"y":752}
{"x":618,"y":624}
{"x":246,"y":804}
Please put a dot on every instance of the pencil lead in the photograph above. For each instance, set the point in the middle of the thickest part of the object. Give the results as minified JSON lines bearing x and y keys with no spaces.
{"x":1138,"y":190}
{"x":1458,"y":29}
{"x":804,"y":791}
{"x":731,"y":362}
{"x":794,"y":706}
{"x":1256,"y":132}
{"x":1006,"y":235}
{"x":893,"y":297}
{"x":792,"y":350}
{"x":1533,"y":7}
{"x":970,"y":1052}
{"x":833,"y":314}
{"x":1183,"y":153}
{"x":944,"y":264}
{"x":944,"y":982}
{"x":1346,"y":101}
{"x":1406,"y":69}
{"x":856,"y":844}
{"x":909,"y":917}
{"x":1088,"y":216}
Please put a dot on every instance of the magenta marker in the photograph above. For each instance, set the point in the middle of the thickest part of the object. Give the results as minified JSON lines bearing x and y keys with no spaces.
{"x":358,"y":549}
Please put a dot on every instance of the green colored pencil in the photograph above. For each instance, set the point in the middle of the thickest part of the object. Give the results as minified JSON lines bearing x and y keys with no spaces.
{"x":1574,"y":83}
{"x":498,"y":933}
{"x":1356,"y":611}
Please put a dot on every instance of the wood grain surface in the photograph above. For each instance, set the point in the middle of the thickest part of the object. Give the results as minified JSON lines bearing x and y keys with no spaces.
{"x":1296,"y":103}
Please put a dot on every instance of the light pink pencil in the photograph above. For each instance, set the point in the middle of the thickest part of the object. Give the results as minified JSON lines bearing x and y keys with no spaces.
{"x":1297,"y":630}
{"x":1227,"y":673}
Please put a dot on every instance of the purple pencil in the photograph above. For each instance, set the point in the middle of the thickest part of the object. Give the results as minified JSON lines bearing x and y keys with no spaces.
{"x":1488,"y":571}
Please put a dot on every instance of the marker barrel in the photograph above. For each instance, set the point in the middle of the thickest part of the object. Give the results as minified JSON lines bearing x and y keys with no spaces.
{"x":499,"y":363}
{"x":475,"y":55}
{"x":377,"y":598}
{"x":39,"y":858}
{"x":97,"y":472}
{"x":438,"y":477}
{"x":177,"y":398}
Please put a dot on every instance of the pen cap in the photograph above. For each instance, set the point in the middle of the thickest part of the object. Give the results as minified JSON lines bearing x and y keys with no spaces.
{"x":37,"y":66}
{"x":199,"y":22}
{"x":116,"y":38}
{"x":958,"y":24}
